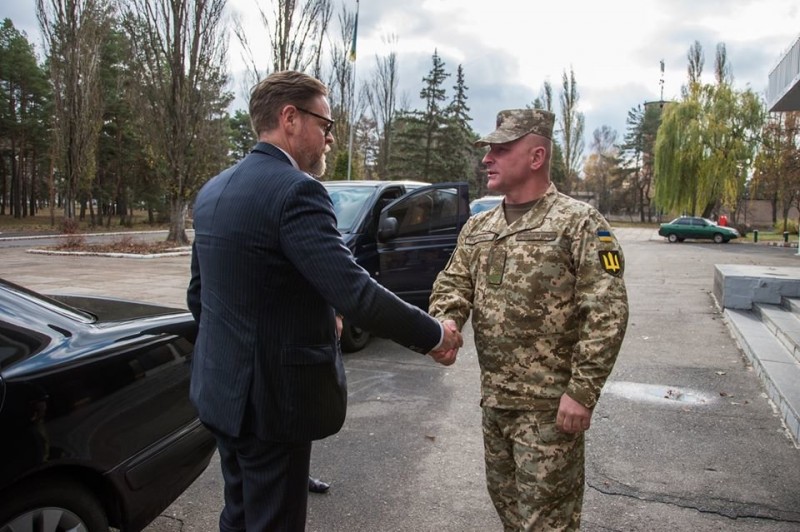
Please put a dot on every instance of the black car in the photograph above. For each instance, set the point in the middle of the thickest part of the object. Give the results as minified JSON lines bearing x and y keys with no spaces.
{"x":401,"y":232}
{"x":97,"y":428}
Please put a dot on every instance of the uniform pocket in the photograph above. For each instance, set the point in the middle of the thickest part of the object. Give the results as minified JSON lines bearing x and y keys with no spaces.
{"x":548,"y":434}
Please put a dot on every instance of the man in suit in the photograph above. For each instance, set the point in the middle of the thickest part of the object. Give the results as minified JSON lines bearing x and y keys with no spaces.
{"x":268,"y":269}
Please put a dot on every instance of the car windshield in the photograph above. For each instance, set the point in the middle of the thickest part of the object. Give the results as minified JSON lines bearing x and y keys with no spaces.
{"x":484,"y":204}
{"x":348,"y":200}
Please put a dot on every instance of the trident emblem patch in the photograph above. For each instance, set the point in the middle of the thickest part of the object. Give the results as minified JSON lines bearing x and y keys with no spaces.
{"x":609,"y":259}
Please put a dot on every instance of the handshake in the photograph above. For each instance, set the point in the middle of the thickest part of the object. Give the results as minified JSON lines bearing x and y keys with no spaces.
{"x":452,"y":341}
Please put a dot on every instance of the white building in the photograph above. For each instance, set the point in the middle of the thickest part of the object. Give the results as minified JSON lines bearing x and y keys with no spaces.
{"x":783,"y":90}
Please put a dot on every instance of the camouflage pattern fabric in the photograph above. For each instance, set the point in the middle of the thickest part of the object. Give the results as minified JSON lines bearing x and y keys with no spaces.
{"x":534,"y":473}
{"x":516,"y":123}
{"x":548,"y":301}
{"x":549,"y":311}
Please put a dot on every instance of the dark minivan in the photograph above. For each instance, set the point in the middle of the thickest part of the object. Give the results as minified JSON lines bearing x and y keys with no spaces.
{"x":401,"y":232}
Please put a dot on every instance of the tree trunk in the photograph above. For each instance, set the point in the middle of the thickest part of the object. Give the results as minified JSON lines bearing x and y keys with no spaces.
{"x":177,"y":222}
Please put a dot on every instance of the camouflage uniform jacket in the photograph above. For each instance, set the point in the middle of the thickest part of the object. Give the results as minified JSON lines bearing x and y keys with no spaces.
{"x":548,"y":300}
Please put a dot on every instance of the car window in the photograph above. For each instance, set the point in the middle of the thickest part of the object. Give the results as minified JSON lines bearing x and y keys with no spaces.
{"x":347,"y":204}
{"x":436,"y":210}
{"x":681,"y":221}
{"x":16,"y":344}
{"x":413,"y":216}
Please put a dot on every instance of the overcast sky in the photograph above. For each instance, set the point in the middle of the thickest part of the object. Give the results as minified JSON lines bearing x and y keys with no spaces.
{"x":509,"y":48}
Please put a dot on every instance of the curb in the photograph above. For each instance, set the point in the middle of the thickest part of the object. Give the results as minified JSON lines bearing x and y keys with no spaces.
{"x":179,"y":252}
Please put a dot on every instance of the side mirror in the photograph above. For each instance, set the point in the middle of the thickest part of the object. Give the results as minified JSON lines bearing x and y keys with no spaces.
{"x":387,"y":229}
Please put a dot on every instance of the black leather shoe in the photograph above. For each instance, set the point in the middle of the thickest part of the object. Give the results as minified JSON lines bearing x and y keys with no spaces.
{"x":317,"y":486}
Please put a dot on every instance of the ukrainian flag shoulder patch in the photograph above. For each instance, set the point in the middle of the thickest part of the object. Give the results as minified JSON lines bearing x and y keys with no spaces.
{"x":604,"y":236}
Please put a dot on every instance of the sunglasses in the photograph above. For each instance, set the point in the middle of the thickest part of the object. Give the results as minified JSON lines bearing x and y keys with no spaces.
{"x":329,"y":123}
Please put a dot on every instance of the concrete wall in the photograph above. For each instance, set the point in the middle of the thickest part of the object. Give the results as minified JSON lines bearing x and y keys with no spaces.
{"x":758,"y":214}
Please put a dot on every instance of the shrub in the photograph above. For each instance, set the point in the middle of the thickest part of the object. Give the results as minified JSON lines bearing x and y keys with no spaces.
{"x":743,"y":229}
{"x":69,"y":226}
{"x":791,"y":226}
{"x":74,"y":239}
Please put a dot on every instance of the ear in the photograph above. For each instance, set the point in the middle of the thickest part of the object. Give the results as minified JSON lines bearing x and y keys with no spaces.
{"x":538,"y":157}
{"x":288,"y":118}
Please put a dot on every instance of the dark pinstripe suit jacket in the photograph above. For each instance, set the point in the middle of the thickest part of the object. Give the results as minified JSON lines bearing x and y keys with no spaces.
{"x":268,"y":269}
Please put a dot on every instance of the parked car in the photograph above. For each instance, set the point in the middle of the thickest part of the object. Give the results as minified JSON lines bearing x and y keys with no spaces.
{"x":695,"y":227}
{"x":401,"y":232}
{"x":484,"y":204}
{"x":97,"y":428}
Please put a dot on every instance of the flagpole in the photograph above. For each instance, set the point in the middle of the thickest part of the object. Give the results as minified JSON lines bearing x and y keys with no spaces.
{"x":352,"y":96}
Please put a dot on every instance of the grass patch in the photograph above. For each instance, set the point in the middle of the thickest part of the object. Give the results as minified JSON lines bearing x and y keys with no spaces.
{"x":768,"y":236}
{"x":41,"y":223}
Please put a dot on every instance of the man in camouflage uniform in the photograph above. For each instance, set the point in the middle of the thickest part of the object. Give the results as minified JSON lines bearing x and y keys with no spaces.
{"x":542,"y":275}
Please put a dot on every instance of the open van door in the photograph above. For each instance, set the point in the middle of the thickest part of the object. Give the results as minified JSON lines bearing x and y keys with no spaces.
{"x":417,"y":233}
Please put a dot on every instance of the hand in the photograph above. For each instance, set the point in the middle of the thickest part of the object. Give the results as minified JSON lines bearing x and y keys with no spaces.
{"x":452,"y":341}
{"x":572,"y":416}
{"x":339,"y":325}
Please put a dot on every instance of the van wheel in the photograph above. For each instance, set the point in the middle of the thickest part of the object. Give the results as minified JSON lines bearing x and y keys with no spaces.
{"x":353,"y":338}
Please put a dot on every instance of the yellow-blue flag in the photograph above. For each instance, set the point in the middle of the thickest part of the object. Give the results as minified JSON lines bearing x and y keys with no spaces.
{"x":355,"y":34}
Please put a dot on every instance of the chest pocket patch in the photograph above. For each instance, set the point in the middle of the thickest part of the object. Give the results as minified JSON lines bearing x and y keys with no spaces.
{"x":536,"y":236}
{"x":477,"y":239}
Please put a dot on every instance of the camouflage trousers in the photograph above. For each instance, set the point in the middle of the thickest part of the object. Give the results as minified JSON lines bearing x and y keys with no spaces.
{"x":534,"y":473}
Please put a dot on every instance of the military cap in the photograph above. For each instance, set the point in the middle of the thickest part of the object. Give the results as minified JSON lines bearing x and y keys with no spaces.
{"x":515,"y":123}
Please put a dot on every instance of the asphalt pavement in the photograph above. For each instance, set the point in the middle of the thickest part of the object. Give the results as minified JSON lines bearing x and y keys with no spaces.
{"x":684,"y":437}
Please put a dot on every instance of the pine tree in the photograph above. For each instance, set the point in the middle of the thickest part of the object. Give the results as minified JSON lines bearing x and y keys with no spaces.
{"x":416,"y":153}
{"x":460,"y":158}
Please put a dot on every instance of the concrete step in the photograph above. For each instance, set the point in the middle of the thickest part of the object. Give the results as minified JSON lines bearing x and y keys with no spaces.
{"x":783,"y":323}
{"x":778,"y":370}
{"x":791,"y":304}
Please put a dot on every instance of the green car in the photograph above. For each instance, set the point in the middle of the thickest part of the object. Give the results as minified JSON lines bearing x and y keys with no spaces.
{"x":695,"y":227}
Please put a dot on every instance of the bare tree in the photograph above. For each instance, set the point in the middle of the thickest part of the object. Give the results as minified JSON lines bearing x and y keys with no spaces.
{"x":545,"y":98}
{"x":382,"y":98}
{"x":722,"y":68}
{"x":340,"y":83}
{"x":182,"y":49}
{"x":74,"y":31}
{"x":696,"y":61}
{"x":603,"y":146}
{"x":572,"y":125}
{"x":295,"y":32}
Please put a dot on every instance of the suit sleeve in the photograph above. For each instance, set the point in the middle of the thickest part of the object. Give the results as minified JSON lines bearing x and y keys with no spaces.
{"x":193,"y":292}
{"x":602,"y":308}
{"x":312,"y":243}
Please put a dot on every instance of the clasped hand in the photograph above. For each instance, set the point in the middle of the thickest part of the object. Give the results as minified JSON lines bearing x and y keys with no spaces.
{"x":452,"y":341}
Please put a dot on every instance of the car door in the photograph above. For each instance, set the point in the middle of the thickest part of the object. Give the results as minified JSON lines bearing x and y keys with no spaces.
{"x":417,"y":234}
{"x":683,"y":228}
{"x":700,"y":229}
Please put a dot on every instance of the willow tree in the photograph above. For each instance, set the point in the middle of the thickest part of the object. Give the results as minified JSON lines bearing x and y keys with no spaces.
{"x":706,"y":144}
{"x":181,"y":49}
